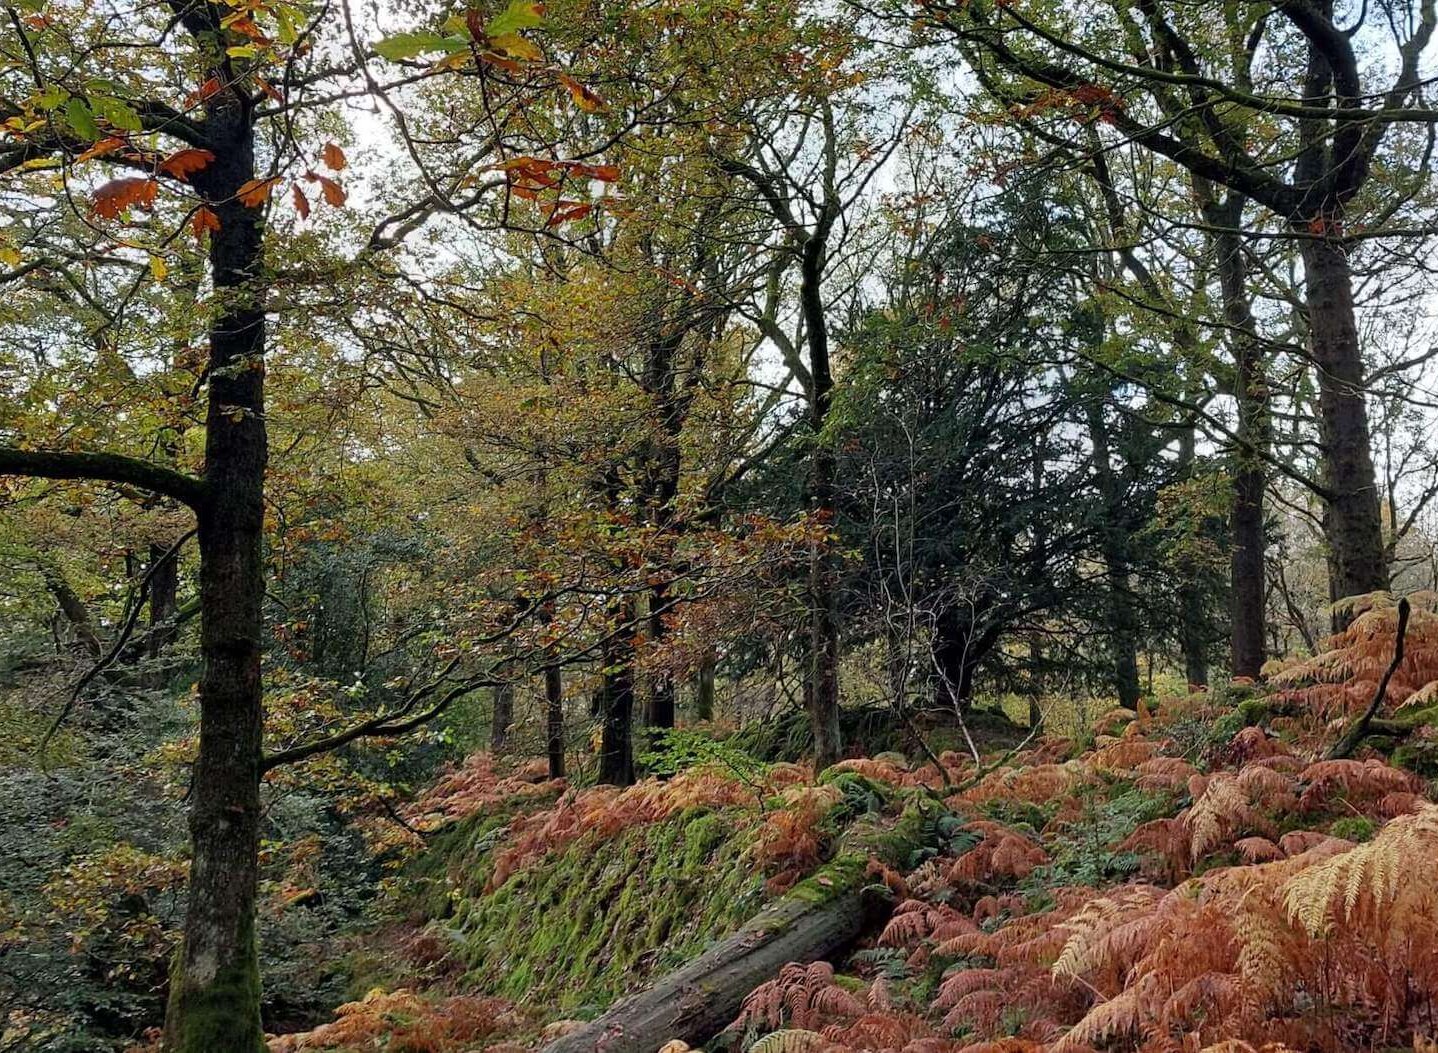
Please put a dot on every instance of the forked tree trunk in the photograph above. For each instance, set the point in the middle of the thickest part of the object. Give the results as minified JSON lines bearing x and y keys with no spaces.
{"x":215,"y":990}
{"x":1352,"y":523}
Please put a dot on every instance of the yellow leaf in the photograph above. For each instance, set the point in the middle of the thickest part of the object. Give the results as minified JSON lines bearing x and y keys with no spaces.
{"x":159,"y":269}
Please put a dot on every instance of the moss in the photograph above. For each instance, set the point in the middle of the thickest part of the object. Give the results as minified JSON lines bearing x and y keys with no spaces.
{"x":1354,"y":828}
{"x":603,"y":915}
{"x":224,"y":1014}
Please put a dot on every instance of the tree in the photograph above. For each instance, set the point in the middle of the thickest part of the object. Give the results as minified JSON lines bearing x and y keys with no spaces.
{"x":1181,"y":85}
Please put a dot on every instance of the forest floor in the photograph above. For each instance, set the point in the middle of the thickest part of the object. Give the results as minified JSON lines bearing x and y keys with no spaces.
{"x":1192,"y":876}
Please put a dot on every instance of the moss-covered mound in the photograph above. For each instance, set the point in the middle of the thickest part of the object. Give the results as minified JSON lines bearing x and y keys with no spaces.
{"x":606,"y":914}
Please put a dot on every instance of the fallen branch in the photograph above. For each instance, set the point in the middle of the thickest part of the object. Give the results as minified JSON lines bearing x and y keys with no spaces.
{"x":1345,"y":746}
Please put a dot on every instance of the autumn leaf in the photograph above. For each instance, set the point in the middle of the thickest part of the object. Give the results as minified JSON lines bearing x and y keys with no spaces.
{"x":202,"y":222}
{"x":333,"y":157}
{"x":584,"y":97}
{"x":332,"y":191}
{"x":516,"y":46}
{"x":103,"y":148}
{"x":159,"y":269}
{"x":116,"y":196}
{"x":567,"y":212}
{"x":204,"y":91}
{"x":184,"y":163}
{"x":255,"y":192}
{"x":302,"y":203}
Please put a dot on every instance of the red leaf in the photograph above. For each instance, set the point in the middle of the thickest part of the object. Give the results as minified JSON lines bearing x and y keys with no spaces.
{"x":204,"y":91}
{"x":184,"y":163}
{"x":568,"y":211}
{"x":302,"y":203}
{"x":333,"y":157}
{"x":120,"y":194}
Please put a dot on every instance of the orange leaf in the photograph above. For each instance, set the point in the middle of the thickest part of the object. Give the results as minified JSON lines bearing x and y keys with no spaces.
{"x":334,"y":157}
{"x":202,"y":221}
{"x":102,"y":148}
{"x":120,"y":194}
{"x":302,"y":203}
{"x":332,"y":191}
{"x":184,"y":163}
{"x":605,"y":173}
{"x":585,"y":98}
{"x":255,"y":192}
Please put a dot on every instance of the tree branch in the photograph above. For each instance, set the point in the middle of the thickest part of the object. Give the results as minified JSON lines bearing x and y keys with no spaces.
{"x":103,"y":467}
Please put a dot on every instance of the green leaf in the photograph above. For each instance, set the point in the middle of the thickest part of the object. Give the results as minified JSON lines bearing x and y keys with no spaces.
{"x":52,"y":98}
{"x":79,"y":116}
{"x":408,"y":45}
{"x":520,"y":14}
{"x":118,"y":114}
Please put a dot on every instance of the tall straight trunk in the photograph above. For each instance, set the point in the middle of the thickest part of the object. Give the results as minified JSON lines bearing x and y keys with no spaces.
{"x":501,"y":717}
{"x":821,"y":688}
{"x":659,"y":712}
{"x":215,"y":990}
{"x":554,"y":719}
{"x":704,"y":690}
{"x":1351,"y":522}
{"x":1114,"y":549}
{"x":1192,"y":637}
{"x":616,"y":700}
{"x":1247,"y":577}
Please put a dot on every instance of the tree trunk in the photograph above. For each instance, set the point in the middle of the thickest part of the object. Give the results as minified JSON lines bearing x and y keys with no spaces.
{"x":1250,"y":391}
{"x":704,"y":691}
{"x":1113,"y":546}
{"x":820,"y":916}
{"x":1352,"y":523}
{"x":164,"y":596}
{"x":616,"y":701}
{"x":958,"y":649}
{"x":215,"y":989}
{"x":70,"y":604}
{"x":1192,"y":635}
{"x":501,"y":718}
{"x":660,"y":710}
{"x":554,"y":719}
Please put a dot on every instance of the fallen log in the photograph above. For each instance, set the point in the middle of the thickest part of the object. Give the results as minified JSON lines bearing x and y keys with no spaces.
{"x":817,"y":918}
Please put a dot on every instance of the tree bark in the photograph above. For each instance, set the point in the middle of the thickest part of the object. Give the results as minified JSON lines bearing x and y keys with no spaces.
{"x":1247,"y":576}
{"x":1113,"y":548}
{"x":616,"y":701}
{"x":215,"y":989}
{"x":502,"y":716}
{"x":554,"y":719}
{"x":704,"y":690}
{"x":1352,"y":523}
{"x":821,"y":692}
